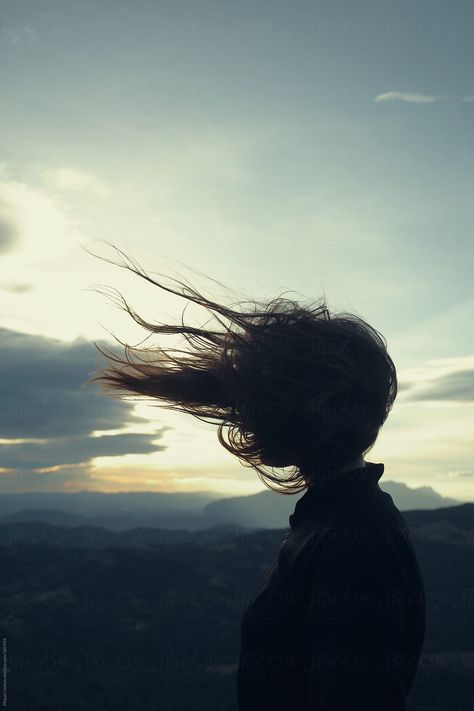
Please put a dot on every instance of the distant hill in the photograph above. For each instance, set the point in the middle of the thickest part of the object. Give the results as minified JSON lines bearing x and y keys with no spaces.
{"x":121,"y":522}
{"x":51,"y":516}
{"x":453,"y":524}
{"x":117,"y":512}
{"x":89,"y":503}
{"x":271,"y":510}
{"x":421,"y":497}
{"x":177,"y":511}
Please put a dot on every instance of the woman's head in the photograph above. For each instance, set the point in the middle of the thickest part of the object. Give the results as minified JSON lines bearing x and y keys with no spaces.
{"x":288,"y":385}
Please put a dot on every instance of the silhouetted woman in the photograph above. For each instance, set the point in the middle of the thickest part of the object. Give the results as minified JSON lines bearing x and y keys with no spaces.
{"x":339,"y":622}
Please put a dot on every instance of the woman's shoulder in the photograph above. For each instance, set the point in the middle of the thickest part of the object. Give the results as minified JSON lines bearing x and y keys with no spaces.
{"x":357,"y":535}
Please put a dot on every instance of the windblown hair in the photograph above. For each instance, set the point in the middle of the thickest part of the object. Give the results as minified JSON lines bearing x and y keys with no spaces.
{"x":290,"y":386}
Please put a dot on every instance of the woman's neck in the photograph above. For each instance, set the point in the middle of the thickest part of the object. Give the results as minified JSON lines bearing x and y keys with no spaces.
{"x":357,"y":464}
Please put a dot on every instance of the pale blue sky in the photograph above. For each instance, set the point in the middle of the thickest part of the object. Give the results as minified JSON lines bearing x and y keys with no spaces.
{"x":307,"y":146}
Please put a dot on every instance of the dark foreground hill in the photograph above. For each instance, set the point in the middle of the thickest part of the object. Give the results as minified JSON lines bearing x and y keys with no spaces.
{"x":156,"y":627}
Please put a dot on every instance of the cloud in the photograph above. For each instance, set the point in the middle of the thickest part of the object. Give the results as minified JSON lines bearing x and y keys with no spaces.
{"x":40,"y":393}
{"x":18,"y":35}
{"x":75,"y":450}
{"x":39,"y":236}
{"x":452,"y":387}
{"x":17,"y":288}
{"x":8,"y":234}
{"x":461,"y":473}
{"x":406,"y":97}
{"x":468,"y":99}
{"x":41,"y":400}
{"x":65,"y":478}
{"x":72,"y":180}
{"x":9,"y":230}
{"x":30,"y":217}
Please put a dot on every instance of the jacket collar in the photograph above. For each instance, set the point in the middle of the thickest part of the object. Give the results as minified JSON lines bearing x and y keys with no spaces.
{"x":329,"y":489}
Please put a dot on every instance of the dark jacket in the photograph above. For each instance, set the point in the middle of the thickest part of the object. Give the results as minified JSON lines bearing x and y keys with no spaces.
{"x":339,"y":622}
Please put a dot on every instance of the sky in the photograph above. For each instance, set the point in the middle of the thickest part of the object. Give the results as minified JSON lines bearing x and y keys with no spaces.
{"x":319,"y":148}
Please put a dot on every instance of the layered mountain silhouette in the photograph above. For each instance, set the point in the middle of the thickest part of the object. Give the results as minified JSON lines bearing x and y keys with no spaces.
{"x":116,"y":512}
{"x":193,"y":511}
{"x":96,"y":502}
{"x":453,"y":524}
{"x":269,"y":510}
